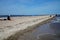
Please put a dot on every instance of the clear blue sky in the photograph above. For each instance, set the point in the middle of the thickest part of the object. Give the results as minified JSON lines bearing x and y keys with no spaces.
{"x":29,"y":7}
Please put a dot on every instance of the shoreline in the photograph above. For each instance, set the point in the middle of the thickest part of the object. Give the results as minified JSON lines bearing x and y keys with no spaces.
{"x":21,"y":32}
{"x":12,"y":34}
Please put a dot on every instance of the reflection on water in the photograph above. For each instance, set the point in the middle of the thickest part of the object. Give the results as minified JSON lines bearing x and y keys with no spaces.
{"x":53,"y":30}
{"x":48,"y":31}
{"x":47,"y":37}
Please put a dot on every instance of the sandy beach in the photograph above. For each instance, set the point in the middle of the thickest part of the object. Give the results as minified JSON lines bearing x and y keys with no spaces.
{"x":8,"y":28}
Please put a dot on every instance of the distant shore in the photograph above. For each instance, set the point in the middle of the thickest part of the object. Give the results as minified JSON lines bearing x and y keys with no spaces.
{"x":23,"y":15}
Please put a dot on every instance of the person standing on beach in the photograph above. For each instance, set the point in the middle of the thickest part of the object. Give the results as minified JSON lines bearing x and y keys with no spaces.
{"x":8,"y":17}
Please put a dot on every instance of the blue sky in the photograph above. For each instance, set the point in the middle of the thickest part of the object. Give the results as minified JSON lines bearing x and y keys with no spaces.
{"x":29,"y":7}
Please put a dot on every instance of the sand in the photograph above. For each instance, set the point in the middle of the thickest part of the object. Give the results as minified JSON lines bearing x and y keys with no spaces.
{"x":10,"y":27}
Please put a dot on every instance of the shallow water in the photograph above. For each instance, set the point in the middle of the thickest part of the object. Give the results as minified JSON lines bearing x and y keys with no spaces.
{"x":48,"y":31}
